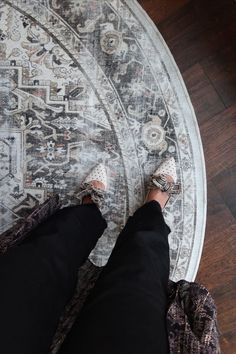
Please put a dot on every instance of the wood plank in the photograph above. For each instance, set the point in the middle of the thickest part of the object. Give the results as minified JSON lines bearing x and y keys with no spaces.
{"x":204,"y":97}
{"x":220,"y":69}
{"x":225,"y":297}
{"x":191,"y":36}
{"x":164,"y":9}
{"x":225,"y":182}
{"x":219,"y":142}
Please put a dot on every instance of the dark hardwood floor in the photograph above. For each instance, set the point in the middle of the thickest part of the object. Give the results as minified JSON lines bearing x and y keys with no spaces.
{"x":202,"y":38}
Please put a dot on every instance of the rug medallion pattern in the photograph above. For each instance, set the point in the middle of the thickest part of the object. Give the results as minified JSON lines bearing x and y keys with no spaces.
{"x":83,"y":82}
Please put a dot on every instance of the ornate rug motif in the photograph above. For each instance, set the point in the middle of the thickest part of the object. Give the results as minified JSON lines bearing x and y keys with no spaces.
{"x":88,"y":81}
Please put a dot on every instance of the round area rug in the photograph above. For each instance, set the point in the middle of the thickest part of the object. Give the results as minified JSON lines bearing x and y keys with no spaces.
{"x":88,"y":81}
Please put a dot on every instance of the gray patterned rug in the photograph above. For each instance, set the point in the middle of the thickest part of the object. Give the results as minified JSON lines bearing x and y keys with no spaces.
{"x":88,"y":81}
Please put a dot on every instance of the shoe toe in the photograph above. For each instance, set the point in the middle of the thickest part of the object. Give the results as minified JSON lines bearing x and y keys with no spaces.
{"x":168,"y":167}
{"x":99,"y":173}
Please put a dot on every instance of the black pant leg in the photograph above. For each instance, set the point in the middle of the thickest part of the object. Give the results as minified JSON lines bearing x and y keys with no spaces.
{"x":38,"y":278}
{"x":126,"y":312}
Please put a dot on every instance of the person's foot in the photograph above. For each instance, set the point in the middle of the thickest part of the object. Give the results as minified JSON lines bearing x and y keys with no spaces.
{"x":98,"y":185}
{"x":94,"y":185}
{"x":158,"y":195}
{"x":163,"y":183}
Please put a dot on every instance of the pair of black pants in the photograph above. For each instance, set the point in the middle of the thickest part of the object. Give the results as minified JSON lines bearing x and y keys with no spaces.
{"x":126,"y":310}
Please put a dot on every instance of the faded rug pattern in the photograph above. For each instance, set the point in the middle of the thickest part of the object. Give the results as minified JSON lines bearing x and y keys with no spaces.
{"x":89,"y":81}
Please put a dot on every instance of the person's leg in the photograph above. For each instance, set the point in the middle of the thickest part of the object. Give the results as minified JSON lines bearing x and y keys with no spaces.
{"x":38,"y":278}
{"x":126,"y":311}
